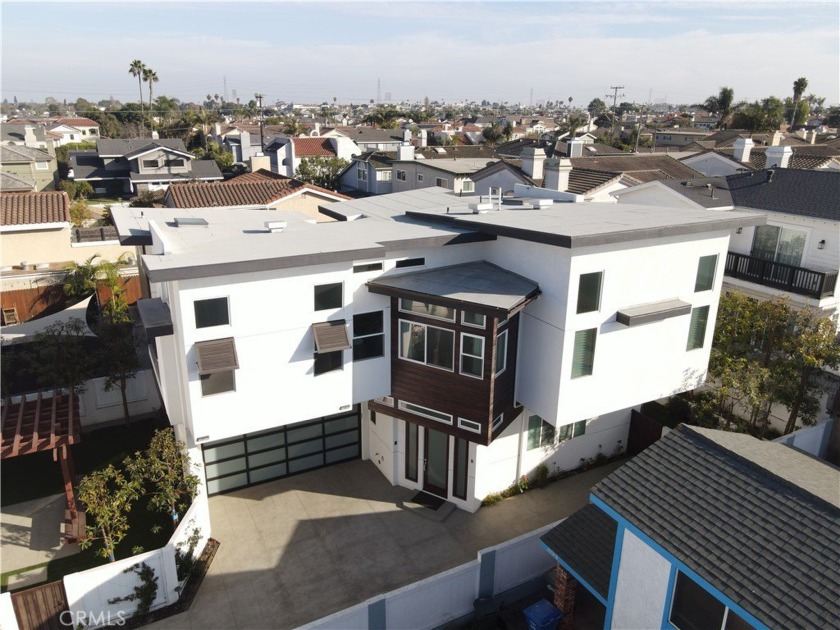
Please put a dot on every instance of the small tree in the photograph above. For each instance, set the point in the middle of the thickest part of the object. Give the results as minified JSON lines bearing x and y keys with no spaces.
{"x":81,"y":281}
{"x":107,"y":495}
{"x":80,"y":212}
{"x":321,"y":171}
{"x":60,"y":357}
{"x":166,"y":466}
{"x":119,"y":358}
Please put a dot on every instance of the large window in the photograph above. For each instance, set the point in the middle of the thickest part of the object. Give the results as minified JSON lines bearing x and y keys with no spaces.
{"x":589,"y":292}
{"x":705,"y":273}
{"x":368,"y":336}
{"x":328,"y":361}
{"x":697,"y":327}
{"x":432,"y":414}
{"x":501,"y":352}
{"x":583,"y":358}
{"x":540,"y":433}
{"x":212,"y":312}
{"x":175,"y":163}
{"x":427,"y":344}
{"x":328,"y":296}
{"x":569,"y":431}
{"x":778,"y":244}
{"x":694,"y":608}
{"x":472,"y":355}
{"x":427,"y":310}
{"x":150,"y":163}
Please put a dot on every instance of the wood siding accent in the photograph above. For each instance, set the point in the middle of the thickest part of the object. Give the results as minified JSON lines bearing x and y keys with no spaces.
{"x":40,"y":608}
{"x":130,"y":287}
{"x":453,"y":393}
{"x":30,"y":303}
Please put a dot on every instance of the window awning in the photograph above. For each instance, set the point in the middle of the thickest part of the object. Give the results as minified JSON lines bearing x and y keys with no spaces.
{"x":331,"y":336}
{"x":218,"y":355}
{"x":653,"y":312}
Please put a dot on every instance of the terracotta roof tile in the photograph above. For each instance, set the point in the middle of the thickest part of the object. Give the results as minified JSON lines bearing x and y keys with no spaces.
{"x":29,"y":208}
{"x":77,"y":122}
{"x":312,"y":147}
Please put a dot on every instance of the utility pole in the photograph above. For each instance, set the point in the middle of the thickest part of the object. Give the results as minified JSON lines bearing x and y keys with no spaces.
{"x":615,"y":95}
{"x":259,"y":98}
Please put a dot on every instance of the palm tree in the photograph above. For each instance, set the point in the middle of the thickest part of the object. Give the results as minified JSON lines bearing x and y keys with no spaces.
{"x":151,"y":77}
{"x":721,"y":105}
{"x":799,"y":87}
{"x":575,"y":123}
{"x":136,"y":70}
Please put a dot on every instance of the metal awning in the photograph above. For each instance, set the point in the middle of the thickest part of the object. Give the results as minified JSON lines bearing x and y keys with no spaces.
{"x":653,"y":312}
{"x":331,"y":336}
{"x":218,"y":355}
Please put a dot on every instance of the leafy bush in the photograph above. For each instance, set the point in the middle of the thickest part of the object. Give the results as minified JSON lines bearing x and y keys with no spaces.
{"x":492,"y":499}
{"x":80,"y":212}
{"x":542,"y":476}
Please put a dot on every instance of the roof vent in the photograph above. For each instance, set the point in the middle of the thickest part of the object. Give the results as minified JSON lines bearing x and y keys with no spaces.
{"x":275,"y":226}
{"x":42,"y":266}
{"x":183,"y":221}
{"x":478,"y":208}
{"x":536,"y":204}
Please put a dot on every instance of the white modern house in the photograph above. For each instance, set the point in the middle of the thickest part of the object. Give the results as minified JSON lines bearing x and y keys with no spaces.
{"x":455,"y":344}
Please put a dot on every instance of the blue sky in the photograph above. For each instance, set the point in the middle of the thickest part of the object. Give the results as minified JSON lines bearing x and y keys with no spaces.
{"x":450,"y":51}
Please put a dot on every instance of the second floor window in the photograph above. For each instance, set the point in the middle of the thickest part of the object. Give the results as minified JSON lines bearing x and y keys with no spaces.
{"x":150,"y":163}
{"x":583,"y":357}
{"x":401,"y":175}
{"x":705,"y":273}
{"x":472,"y":355}
{"x":368,"y":336}
{"x":697,"y":327}
{"x":427,"y":344}
{"x":779,"y":244}
{"x":328,"y":296}
{"x":212,"y":312}
{"x":362,"y":174}
{"x":589,"y":292}
{"x":175,"y":163}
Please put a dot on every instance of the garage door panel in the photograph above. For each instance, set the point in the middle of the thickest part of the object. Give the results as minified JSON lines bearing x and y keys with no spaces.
{"x":342,"y":454}
{"x":223,"y":484}
{"x":220,"y":469}
{"x":268,"y":472}
{"x":267,"y":457}
{"x":265,"y":442}
{"x":306,"y":463}
{"x":223,"y":451}
{"x":304,"y":433}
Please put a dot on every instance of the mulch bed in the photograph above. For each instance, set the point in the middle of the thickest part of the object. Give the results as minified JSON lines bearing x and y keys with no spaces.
{"x":188,"y":594}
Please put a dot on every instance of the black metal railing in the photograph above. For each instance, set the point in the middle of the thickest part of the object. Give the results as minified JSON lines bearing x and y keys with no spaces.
{"x":815,"y":284}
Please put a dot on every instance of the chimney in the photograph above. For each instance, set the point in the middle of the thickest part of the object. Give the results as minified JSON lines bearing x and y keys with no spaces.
{"x":29,"y":139}
{"x":776,"y":138}
{"x":217,"y":128}
{"x":424,"y":138}
{"x":574,"y":148}
{"x":407,"y":135}
{"x":777,"y":157}
{"x":557,"y":171}
{"x":811,"y":137}
{"x":155,"y":135}
{"x":743,"y":147}
{"x":405,"y":151}
{"x":317,"y":129}
{"x":260,"y":161}
{"x":532,"y":162}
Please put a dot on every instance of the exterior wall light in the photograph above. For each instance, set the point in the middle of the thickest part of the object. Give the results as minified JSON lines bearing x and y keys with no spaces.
{"x":821,"y":244}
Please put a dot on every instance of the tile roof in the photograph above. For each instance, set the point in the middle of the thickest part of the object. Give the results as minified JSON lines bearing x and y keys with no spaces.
{"x":252,"y":189}
{"x":312,"y":147}
{"x":77,"y":122}
{"x":758,"y":520}
{"x":806,"y":156}
{"x":584,"y":181}
{"x":29,"y":208}
{"x":17,"y":153}
{"x":801,"y":192}
{"x":586,"y":541}
{"x":643,"y":167}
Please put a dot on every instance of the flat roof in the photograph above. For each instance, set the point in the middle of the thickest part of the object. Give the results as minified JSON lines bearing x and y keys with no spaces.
{"x":477,"y":283}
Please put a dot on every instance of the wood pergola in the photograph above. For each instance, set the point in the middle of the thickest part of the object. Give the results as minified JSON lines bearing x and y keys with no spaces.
{"x":43,"y":421}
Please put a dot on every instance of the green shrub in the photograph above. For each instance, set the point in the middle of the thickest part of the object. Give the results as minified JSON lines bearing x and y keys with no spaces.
{"x":542,"y":475}
{"x":492,"y":499}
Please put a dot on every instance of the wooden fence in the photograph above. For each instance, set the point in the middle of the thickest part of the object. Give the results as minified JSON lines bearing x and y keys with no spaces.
{"x":41,"y":608}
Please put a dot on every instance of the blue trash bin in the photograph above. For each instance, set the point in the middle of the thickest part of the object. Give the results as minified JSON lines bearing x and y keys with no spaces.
{"x":542,"y":616}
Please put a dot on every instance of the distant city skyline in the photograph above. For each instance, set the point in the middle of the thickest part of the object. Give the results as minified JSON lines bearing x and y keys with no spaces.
{"x":446,"y":51}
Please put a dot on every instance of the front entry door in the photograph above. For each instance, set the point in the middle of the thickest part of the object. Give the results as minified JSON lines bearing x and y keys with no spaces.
{"x":436,"y":463}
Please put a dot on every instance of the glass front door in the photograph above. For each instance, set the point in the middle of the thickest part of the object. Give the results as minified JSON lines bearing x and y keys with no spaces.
{"x":436,"y":463}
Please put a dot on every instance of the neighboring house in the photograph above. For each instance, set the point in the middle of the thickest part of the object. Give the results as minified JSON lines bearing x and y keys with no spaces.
{"x":33,"y":165}
{"x":410,"y":173}
{"x":14,"y":183}
{"x":454,"y":347}
{"x":796,"y":254}
{"x":243,"y":139}
{"x":371,"y":138}
{"x":369,"y":173}
{"x":38,"y":244}
{"x":262,"y":189}
{"x":65,"y":130}
{"x":677,"y":137}
{"x":32,"y":136}
{"x":743,"y":155}
{"x":286,"y":153}
{"x":129,"y":167}
{"x":707,"y":529}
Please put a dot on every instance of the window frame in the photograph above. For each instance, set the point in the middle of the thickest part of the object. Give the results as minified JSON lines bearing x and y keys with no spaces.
{"x":400,"y":175}
{"x":546,"y":437}
{"x":328,"y":357}
{"x":403,"y":406}
{"x":324,"y":286}
{"x":367,"y":267}
{"x":42,"y":166}
{"x":421,"y":178}
{"x":571,"y":430}
{"x":597,"y":308}
{"x":175,"y":163}
{"x":204,"y":378}
{"x":151,"y":163}
{"x":444,"y":319}
{"x":425,"y":344}
{"x":417,"y":261}
{"x":691,"y":324}
{"x":700,"y":281}
{"x":381,"y":334}
{"x":457,"y":462}
{"x":468,"y":186}
{"x":501,"y":335}
{"x":482,"y":325}
{"x":590,"y":364}
{"x":462,"y":354}
{"x":212,"y":299}
{"x":497,"y":422}
{"x":443,"y":182}
{"x":464,"y":422}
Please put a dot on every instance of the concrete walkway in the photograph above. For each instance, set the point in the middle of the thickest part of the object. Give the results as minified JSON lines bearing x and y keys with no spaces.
{"x":295,"y":550}
{"x":31,"y":533}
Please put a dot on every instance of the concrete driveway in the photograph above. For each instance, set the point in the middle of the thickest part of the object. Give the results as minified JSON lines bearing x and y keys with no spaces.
{"x":298,"y":549}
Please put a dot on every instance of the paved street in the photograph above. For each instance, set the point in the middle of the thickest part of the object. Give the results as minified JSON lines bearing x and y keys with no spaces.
{"x":298,"y":549}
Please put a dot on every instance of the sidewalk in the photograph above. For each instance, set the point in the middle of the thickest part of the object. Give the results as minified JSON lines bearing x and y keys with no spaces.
{"x":298,"y":549}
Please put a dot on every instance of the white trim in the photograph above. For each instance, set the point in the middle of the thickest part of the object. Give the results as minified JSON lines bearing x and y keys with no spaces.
{"x":424,"y":361}
{"x":462,"y":425}
{"x":95,"y":243}
{"x":483,"y":324}
{"x":29,"y":227}
{"x":445,"y":319}
{"x":463,"y":354}
{"x":498,"y":337}
{"x":497,"y":422}
{"x":402,"y":406}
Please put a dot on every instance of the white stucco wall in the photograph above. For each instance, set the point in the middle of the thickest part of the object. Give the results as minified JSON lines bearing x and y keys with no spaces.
{"x":642,"y":586}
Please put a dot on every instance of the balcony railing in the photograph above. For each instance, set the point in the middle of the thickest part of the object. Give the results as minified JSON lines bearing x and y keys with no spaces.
{"x":815,"y":284}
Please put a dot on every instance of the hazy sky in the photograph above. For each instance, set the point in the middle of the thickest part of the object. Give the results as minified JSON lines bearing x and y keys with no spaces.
{"x":315,"y":51}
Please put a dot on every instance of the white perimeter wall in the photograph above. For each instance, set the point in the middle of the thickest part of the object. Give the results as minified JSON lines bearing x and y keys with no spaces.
{"x":642,"y":586}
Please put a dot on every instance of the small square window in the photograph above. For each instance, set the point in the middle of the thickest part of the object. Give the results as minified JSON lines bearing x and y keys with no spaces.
{"x":328,"y":362}
{"x":420,"y":177}
{"x":468,"y":318}
{"x":401,"y":176}
{"x":217,"y":383}
{"x":212,"y":312}
{"x":328,"y":296}
{"x":468,"y":186}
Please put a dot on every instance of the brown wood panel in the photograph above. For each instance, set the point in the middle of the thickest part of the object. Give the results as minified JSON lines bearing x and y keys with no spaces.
{"x":30,"y":303}
{"x":504,"y":385}
{"x":40,"y":608}
{"x":644,"y":431}
{"x":130,"y":286}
